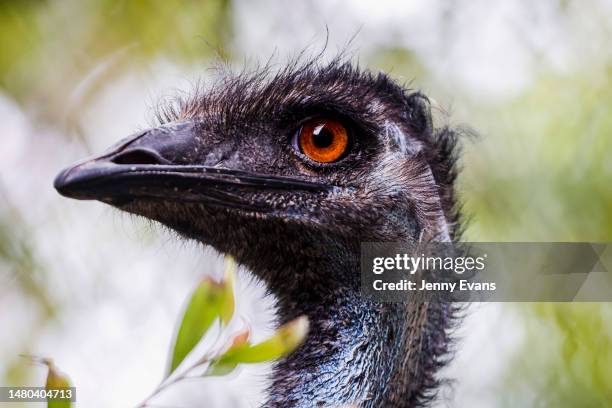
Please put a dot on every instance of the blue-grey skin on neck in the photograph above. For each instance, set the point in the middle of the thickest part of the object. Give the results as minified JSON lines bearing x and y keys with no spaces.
{"x":359,"y":352}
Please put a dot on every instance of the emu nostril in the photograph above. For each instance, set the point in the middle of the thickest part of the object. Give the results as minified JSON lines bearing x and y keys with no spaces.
{"x":138,"y":157}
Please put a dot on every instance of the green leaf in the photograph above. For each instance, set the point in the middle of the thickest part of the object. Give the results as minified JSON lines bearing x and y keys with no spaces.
{"x":56,"y":380}
{"x":203,"y":309}
{"x":284,"y":341}
{"x":227,"y":309}
{"x":218,"y":369}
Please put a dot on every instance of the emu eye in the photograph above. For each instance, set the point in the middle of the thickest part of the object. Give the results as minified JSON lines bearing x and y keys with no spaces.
{"x":323,"y":140}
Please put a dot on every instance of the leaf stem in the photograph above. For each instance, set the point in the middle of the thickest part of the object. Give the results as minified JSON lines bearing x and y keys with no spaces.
{"x":168,"y":381}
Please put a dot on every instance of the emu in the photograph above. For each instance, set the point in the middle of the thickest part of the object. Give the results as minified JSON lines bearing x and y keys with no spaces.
{"x":289,"y":171}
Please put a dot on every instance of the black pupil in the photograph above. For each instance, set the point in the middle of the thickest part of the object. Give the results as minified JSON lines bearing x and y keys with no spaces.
{"x":322,"y":137}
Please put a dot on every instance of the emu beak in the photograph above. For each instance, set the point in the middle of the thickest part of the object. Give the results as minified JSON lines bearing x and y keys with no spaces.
{"x":158,"y":164}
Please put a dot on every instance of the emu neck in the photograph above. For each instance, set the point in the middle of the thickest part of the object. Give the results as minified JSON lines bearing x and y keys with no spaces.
{"x":349,"y":357}
{"x":358,"y":352}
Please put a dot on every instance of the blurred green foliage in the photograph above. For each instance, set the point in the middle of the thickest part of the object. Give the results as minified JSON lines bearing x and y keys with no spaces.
{"x":46,"y":44}
{"x":565,"y":359}
{"x":541,"y":170}
{"x":18,"y":257}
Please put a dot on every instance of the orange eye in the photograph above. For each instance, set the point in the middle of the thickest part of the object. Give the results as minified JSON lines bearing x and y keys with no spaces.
{"x":323,"y":140}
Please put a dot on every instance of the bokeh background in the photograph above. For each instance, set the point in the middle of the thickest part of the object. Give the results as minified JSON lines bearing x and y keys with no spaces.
{"x":100,"y":292}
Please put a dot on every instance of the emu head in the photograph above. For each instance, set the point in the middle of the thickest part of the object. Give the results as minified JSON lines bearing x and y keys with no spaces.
{"x":265,"y":165}
{"x":289,"y":173}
